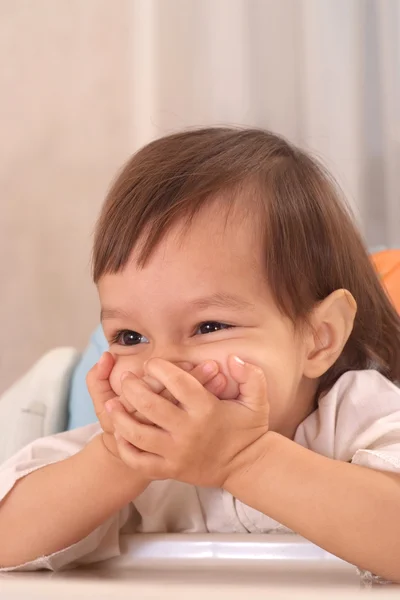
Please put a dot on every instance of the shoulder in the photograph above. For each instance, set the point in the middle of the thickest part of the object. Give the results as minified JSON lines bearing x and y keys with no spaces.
{"x":355,"y":413}
{"x":360,"y":384}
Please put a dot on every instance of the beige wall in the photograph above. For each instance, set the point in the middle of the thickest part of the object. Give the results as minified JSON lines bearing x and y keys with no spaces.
{"x":84,"y":82}
{"x":64,"y":114}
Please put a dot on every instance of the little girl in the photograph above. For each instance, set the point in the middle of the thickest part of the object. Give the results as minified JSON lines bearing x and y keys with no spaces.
{"x":250,"y":380}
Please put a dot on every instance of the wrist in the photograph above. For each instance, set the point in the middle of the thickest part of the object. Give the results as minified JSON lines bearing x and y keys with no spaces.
{"x":248,"y":463}
{"x":114,"y":468}
{"x":110,"y":444}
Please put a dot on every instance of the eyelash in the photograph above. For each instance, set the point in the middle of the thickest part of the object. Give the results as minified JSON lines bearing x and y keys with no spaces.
{"x":116,"y":339}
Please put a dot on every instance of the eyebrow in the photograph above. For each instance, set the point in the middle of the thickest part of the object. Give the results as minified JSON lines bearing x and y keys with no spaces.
{"x":112,"y":313}
{"x":221,"y":300}
{"x":218,"y":300}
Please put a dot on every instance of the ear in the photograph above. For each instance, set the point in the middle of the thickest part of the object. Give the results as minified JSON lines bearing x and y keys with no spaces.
{"x":330,"y":325}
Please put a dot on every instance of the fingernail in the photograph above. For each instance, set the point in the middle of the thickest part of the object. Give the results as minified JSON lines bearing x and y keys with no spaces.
{"x":101,"y":359}
{"x":238,"y":361}
{"x":109,"y":406}
{"x":117,"y":436}
{"x":125,"y":374}
{"x":209,"y":367}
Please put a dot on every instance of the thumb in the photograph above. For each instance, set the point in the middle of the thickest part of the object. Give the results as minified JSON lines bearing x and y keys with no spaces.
{"x":100,"y":390}
{"x":98,"y":380}
{"x":251,"y":380}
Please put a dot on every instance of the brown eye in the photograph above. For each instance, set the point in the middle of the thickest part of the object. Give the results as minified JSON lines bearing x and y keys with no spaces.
{"x":126,"y":337}
{"x":211,"y":327}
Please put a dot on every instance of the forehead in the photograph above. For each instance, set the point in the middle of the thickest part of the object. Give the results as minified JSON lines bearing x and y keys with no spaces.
{"x":231,"y":232}
{"x":217,"y":251}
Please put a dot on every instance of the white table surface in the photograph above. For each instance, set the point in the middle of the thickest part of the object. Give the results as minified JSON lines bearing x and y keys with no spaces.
{"x":202,"y":567}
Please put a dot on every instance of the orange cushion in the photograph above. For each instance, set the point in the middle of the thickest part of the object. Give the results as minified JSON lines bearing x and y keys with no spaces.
{"x":387,"y":263}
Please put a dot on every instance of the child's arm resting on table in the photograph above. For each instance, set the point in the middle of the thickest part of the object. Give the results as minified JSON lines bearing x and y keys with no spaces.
{"x":64,"y":499}
{"x":54,"y":507}
{"x":307,"y":484}
{"x":349,"y":510}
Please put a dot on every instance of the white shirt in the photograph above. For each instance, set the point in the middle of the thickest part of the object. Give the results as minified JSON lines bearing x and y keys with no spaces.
{"x":357,"y":421}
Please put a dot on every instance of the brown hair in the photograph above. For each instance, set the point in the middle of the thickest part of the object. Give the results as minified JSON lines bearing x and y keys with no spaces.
{"x":312,"y":244}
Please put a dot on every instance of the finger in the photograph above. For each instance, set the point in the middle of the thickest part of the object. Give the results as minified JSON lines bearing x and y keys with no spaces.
{"x":251,"y":380}
{"x":217,"y":384}
{"x":99,"y":388}
{"x":189,"y":392}
{"x":115,"y":405}
{"x":151,"y":407}
{"x":203,"y":372}
{"x":149,"y":465}
{"x":129,"y":406}
{"x":131,"y":410}
{"x":131,"y":387}
{"x":206,"y":372}
{"x":97,"y":379}
{"x":105,"y":365}
{"x":155,"y":385}
{"x":145,"y":437}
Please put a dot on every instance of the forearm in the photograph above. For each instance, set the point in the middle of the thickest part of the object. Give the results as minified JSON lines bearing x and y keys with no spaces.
{"x":58,"y":505}
{"x":351,"y":511}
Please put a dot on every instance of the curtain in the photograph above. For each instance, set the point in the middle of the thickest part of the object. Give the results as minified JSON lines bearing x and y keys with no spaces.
{"x":86,"y":82}
{"x":324,"y":73}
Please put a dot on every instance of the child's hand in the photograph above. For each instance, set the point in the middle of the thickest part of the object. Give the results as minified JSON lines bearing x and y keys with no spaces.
{"x":100,"y":390}
{"x":201,"y":439}
{"x":207,"y":373}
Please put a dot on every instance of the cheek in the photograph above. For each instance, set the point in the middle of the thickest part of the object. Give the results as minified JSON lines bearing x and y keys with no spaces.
{"x":122,"y":364}
{"x":280,"y":370}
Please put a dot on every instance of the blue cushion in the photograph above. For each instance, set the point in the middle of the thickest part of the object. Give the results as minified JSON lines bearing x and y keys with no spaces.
{"x":81,"y":411}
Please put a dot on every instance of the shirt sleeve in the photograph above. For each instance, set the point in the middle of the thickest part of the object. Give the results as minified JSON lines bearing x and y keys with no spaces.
{"x":357,"y":421}
{"x":103,"y":542}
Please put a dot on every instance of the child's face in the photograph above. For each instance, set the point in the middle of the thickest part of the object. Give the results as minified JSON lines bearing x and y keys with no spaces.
{"x":178,"y":306}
